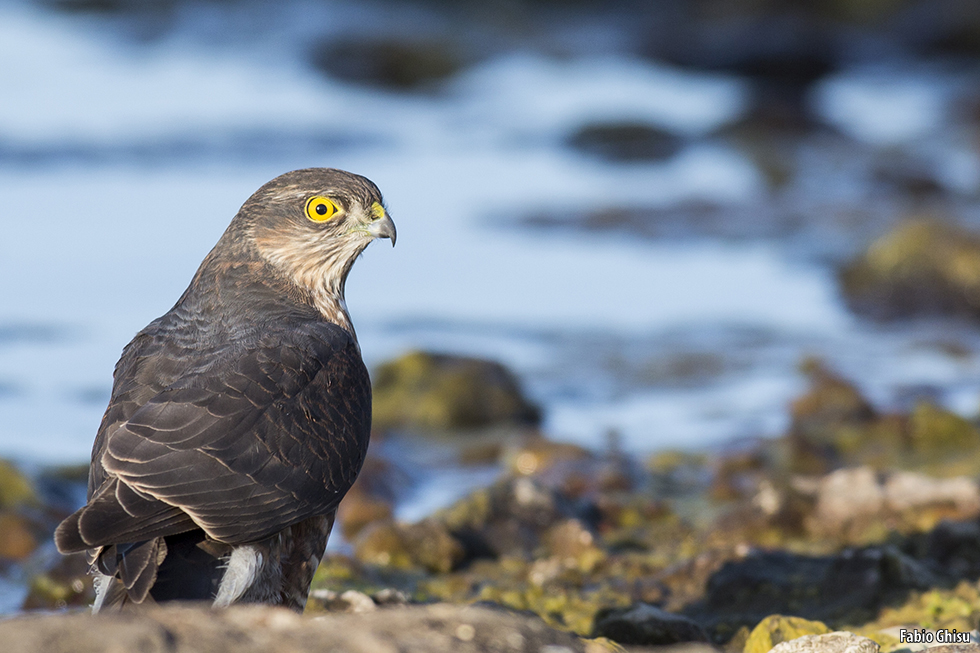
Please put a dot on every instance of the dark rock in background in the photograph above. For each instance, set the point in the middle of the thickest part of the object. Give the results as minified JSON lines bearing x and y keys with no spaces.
{"x":625,"y":142}
{"x":647,"y":625}
{"x":849,"y":587}
{"x":401,"y":65}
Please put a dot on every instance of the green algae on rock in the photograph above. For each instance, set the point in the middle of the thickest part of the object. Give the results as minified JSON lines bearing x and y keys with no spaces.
{"x":778,"y":628}
{"x":67,"y":584}
{"x":425,"y":391}
{"x":922,"y":267}
{"x":16,"y":489}
{"x":426,"y":545}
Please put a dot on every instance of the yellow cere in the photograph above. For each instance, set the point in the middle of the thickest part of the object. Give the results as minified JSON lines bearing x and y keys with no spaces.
{"x":378,"y":210}
{"x":320,"y":209}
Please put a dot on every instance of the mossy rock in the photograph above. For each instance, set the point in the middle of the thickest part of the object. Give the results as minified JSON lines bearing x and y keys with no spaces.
{"x":828,"y":415}
{"x":922,"y":267}
{"x":17,"y":538}
{"x":67,"y":584}
{"x":957,"y":608}
{"x":778,"y":628}
{"x":440,"y":392}
{"x":936,"y":431}
{"x":509,"y":518}
{"x":15,"y":488}
{"x":425,"y":545}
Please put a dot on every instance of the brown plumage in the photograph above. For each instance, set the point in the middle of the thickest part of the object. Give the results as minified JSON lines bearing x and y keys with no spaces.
{"x":240,"y":418}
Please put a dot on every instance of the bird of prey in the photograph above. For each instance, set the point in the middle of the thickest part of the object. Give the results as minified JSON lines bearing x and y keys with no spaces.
{"x":240,"y":418}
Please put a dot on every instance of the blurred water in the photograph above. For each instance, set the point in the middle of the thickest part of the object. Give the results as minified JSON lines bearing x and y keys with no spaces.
{"x":121,"y":162}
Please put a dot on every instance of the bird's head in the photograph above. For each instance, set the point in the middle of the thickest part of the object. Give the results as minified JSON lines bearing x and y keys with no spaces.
{"x":311,"y":224}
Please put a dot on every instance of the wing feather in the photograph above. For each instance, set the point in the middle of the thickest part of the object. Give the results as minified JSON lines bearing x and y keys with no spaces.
{"x":244,"y":447}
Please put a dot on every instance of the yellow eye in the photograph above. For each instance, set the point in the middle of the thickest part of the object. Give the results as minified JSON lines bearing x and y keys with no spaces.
{"x":320,"y":209}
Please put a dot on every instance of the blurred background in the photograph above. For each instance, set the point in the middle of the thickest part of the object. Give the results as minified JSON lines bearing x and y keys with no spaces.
{"x":650,"y":212}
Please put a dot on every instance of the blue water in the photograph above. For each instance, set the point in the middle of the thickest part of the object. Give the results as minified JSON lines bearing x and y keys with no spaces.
{"x":123,"y":157}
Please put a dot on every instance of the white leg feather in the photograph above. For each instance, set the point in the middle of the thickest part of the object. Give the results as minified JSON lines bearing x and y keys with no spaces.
{"x":101,"y":583}
{"x":241,"y":571}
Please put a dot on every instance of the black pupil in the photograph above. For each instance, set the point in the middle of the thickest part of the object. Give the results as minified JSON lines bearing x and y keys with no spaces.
{"x":321,"y":209}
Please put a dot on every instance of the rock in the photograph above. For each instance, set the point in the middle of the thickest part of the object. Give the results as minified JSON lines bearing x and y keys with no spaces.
{"x":912,"y":491}
{"x":438,"y":628}
{"x":360,"y":509}
{"x":426,"y":545}
{"x":349,"y":601}
{"x":372,"y":496}
{"x":936,"y":433}
{"x":836,"y":642}
{"x":16,"y":489}
{"x":955,"y":648}
{"x":402,"y":65}
{"x":17,"y":539}
{"x":441,"y":392}
{"x":573,"y":544}
{"x":625,"y":141}
{"x":831,"y":410}
{"x":850,"y":586}
{"x":848,"y":496}
{"x":67,"y":584}
{"x":537,"y":454}
{"x":956,"y":609}
{"x":922,"y":267}
{"x":646,"y":625}
{"x":776,"y":629}
{"x":954,"y":547}
{"x":508,"y":518}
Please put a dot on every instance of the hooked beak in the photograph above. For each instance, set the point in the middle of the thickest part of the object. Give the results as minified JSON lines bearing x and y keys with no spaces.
{"x":382,"y":227}
{"x":385,"y":228}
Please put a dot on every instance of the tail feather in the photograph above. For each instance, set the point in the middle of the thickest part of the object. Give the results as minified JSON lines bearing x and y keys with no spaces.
{"x":68,"y":536}
{"x":138,"y":565}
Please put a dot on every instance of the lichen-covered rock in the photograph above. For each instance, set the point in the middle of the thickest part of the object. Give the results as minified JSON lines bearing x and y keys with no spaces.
{"x":372,"y":496}
{"x":67,"y":584}
{"x":935,"y":433}
{"x":17,"y":538}
{"x":647,"y":625}
{"x":625,"y":141}
{"x":951,"y":609}
{"x":15,"y":488}
{"x":830,"y":412}
{"x":508,"y":518}
{"x":573,"y":544}
{"x":440,"y":392}
{"x":835,"y":642}
{"x":359,"y":509}
{"x":427,"y":545}
{"x":535,"y":455}
{"x":922,"y":267}
{"x":777,"y":628}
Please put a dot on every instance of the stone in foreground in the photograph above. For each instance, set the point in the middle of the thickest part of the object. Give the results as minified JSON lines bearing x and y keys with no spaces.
{"x":438,"y":628}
